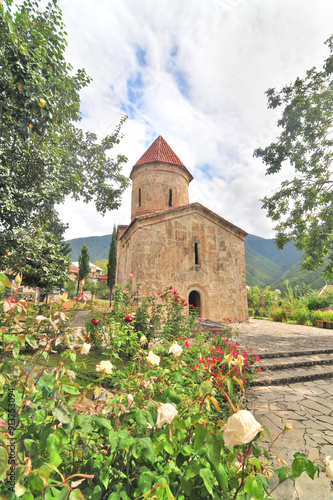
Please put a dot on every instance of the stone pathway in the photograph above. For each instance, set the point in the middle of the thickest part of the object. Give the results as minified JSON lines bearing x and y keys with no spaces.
{"x":307,"y":405}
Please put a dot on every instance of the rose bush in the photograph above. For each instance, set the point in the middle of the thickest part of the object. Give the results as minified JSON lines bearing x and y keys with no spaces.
{"x":142,"y":429}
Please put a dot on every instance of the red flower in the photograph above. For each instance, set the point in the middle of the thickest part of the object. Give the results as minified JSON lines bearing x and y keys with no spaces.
{"x":185,"y":304}
{"x":175,"y":299}
{"x":94,"y":321}
{"x":175,"y":291}
{"x":128,"y":319}
{"x":170,"y":287}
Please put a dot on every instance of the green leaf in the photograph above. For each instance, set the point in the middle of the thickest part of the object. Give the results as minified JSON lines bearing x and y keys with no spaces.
{"x":70,"y":389}
{"x":248,"y":484}
{"x":208,"y":479}
{"x":297,"y":467}
{"x":76,"y":495}
{"x":310,"y":468}
{"x":54,"y":442}
{"x":102,"y":422}
{"x":199,"y":437}
{"x":64,"y":493}
{"x":104,"y":475}
{"x":4,"y":466}
{"x":258,"y":491}
{"x":147,"y":449}
{"x":205,"y":388}
{"x":178,"y":423}
{"x":214,"y":449}
{"x":5,"y":281}
{"x":63,"y":415}
{"x":221,"y":476}
{"x":168,"y":447}
{"x":145,"y":481}
{"x":282,"y":473}
{"x":230,"y":386}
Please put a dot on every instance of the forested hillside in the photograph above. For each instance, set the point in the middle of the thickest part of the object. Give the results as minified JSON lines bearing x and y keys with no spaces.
{"x":265,"y":264}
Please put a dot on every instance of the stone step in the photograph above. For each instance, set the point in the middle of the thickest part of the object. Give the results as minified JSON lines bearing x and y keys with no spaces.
{"x":287,"y":354}
{"x":283,"y":363}
{"x":292,"y":375}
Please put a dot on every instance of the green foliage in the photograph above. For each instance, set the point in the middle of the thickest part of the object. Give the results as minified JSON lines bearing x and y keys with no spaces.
{"x":261,"y":301}
{"x":302,"y":205}
{"x":84,"y":265}
{"x":123,"y":445}
{"x":112,"y":262}
{"x":40,"y":255}
{"x":43,"y":156}
{"x":279,"y":314}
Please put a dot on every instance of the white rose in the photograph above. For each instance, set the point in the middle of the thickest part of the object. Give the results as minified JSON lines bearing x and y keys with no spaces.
{"x":85,"y":348}
{"x":176,"y":349}
{"x":143,"y":339}
{"x":165,"y":413}
{"x":130,"y":400}
{"x":104,"y":366}
{"x":153,"y":358}
{"x":240,"y":428}
{"x":329,"y":467}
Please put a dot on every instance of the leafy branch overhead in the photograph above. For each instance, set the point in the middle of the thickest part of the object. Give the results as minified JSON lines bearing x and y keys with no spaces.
{"x":303,"y":205}
{"x":43,"y":156}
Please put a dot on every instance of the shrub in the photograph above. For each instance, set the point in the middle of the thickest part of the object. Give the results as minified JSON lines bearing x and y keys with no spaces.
{"x":317,"y":302}
{"x":160,"y":432}
{"x":279,"y":314}
{"x":301,"y":315}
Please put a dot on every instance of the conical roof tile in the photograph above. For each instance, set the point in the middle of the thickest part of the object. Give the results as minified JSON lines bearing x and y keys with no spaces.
{"x":159,"y":151}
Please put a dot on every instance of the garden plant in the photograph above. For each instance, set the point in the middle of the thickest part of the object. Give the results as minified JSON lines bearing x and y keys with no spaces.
{"x":160,"y":420}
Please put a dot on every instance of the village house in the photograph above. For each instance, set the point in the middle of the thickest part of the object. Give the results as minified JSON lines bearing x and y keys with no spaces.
{"x":171,"y":242}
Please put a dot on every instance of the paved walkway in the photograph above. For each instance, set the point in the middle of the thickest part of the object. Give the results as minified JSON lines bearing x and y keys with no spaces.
{"x":308,"y":405}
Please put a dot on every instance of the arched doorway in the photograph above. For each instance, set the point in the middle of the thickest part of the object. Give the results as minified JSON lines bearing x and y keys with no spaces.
{"x":195,"y":300}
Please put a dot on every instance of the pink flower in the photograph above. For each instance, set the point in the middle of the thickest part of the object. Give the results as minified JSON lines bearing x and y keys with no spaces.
{"x":183,"y":300}
{"x":64,"y":308}
{"x":175,"y":291}
{"x":94,"y":321}
{"x":130,"y":275}
{"x":125,"y":291}
{"x":135,"y":296}
{"x":150,"y":295}
{"x":13,"y":301}
{"x":128,"y":319}
{"x":170,"y":287}
{"x":200,"y":319}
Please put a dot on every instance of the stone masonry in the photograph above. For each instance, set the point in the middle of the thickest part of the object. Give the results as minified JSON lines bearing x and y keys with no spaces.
{"x":171,"y":242}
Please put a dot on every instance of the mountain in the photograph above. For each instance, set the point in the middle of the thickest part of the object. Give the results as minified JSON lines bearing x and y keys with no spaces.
{"x":98,"y":247}
{"x":265,"y":264}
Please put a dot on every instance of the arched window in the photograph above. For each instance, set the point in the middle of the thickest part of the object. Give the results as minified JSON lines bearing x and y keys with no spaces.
{"x":170,"y":197}
{"x":195,"y":300}
{"x":196,"y":254}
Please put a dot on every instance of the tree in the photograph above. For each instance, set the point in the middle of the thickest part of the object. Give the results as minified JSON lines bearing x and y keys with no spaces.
{"x":84,"y":265}
{"x":44,"y":157}
{"x":112,"y":262}
{"x":303,"y":205}
{"x":41,"y":256}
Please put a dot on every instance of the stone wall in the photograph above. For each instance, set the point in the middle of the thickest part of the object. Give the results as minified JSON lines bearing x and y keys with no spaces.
{"x":151,"y":185}
{"x":192,"y":249}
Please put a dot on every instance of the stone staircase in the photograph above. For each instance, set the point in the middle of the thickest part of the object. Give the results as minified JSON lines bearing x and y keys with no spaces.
{"x":282,"y":368}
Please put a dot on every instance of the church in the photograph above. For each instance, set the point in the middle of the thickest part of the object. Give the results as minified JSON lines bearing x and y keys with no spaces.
{"x":171,"y":242}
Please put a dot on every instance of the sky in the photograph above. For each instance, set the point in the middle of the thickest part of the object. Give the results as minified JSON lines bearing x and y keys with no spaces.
{"x":195,"y":72}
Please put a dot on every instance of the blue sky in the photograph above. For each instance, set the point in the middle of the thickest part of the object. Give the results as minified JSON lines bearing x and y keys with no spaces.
{"x":196,"y":73}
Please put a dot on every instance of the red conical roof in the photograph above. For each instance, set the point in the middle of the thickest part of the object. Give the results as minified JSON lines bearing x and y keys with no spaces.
{"x":159,"y":151}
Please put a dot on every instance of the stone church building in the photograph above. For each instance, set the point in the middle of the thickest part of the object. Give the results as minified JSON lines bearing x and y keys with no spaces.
{"x":173,"y":242}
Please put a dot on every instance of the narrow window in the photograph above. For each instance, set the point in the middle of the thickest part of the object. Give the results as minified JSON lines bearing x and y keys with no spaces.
{"x":196,"y":254}
{"x":139,"y":197}
{"x":170,"y":197}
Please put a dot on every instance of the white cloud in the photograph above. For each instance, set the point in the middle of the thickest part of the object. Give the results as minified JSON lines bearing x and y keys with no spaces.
{"x":196,"y":73}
